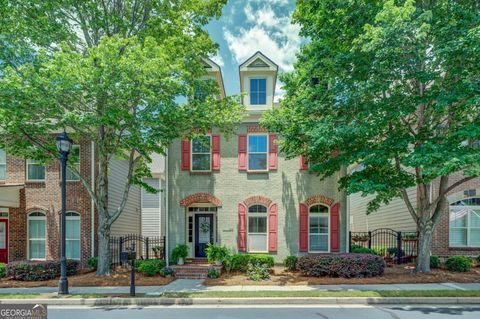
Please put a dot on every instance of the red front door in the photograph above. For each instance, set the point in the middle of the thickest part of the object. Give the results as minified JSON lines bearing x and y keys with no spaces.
{"x":4,"y":241}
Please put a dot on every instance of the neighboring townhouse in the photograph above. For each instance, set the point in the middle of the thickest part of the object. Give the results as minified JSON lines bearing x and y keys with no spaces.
{"x":458,"y":232}
{"x":241,"y":192}
{"x":30,"y":199}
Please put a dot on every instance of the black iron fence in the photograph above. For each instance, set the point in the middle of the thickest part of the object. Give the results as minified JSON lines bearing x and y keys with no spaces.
{"x":145,"y":247}
{"x":395,"y":246}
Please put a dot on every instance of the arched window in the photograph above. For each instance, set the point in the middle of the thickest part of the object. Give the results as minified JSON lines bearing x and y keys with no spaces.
{"x":319,"y":229}
{"x":257,"y":228}
{"x":465,"y":223}
{"x":36,"y":235}
{"x":72,"y":235}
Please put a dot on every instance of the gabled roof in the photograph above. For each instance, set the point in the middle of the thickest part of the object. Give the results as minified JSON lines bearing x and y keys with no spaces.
{"x":211,"y":66}
{"x":259,"y":60}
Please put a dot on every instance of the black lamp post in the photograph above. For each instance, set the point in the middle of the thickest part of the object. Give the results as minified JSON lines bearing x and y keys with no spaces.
{"x":64,"y":144}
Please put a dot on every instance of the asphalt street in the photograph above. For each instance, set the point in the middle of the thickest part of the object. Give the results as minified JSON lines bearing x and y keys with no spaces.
{"x":266,"y":312}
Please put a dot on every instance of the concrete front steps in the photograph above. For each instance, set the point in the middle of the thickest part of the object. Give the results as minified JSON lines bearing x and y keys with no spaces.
{"x":194,"y":269}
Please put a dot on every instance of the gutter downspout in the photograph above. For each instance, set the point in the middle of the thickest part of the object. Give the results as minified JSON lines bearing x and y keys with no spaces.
{"x":346,"y":200}
{"x":92,"y":204}
{"x":167,"y":259}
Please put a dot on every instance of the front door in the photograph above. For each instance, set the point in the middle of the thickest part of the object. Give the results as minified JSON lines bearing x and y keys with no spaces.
{"x":4,"y":241}
{"x":203,"y":233}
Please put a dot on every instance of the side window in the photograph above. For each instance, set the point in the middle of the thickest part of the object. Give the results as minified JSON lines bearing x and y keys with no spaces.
{"x":3,"y":164}
{"x":257,"y":228}
{"x":36,"y":235}
{"x":201,"y":154}
{"x":74,"y":160}
{"x":35,"y":170}
{"x":257,"y":152}
{"x":72,"y":230}
{"x":318,"y":229}
{"x":258,"y":91}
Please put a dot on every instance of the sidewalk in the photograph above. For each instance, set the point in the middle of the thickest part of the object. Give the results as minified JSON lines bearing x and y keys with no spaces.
{"x":190,"y":285}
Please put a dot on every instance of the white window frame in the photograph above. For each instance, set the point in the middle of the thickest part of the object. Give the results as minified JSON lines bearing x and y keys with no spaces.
{"x":467,"y":227}
{"x":266,"y":152}
{"x":27,"y":164}
{"x":250,"y":87}
{"x":77,"y":164}
{"x":248,"y":228}
{"x":328,"y":232}
{"x":71,"y":215}
{"x":30,"y":217}
{"x":209,"y":153}
{"x":4,"y":164}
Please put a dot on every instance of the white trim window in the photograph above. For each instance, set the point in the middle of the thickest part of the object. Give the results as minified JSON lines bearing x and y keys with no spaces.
{"x":465,"y":223}
{"x":318,"y":229}
{"x":257,"y":229}
{"x":3,"y":164}
{"x":201,"y":160}
{"x":72,"y":230}
{"x":37,"y":229}
{"x":35,"y":170}
{"x":258,"y":91}
{"x":74,"y":159}
{"x":258,"y":152}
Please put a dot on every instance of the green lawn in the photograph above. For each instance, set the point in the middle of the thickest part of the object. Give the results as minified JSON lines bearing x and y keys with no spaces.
{"x":259,"y":294}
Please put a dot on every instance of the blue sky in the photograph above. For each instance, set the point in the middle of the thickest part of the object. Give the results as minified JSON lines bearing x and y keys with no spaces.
{"x":248,"y":26}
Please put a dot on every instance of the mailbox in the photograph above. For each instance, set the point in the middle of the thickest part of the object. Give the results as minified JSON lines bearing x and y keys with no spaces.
{"x":128,"y":255}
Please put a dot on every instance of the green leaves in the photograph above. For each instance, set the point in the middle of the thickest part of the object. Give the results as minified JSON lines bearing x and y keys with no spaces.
{"x":398,"y":92}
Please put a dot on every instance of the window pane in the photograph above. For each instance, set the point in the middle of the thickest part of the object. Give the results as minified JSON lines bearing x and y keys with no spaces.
{"x":262,"y":85}
{"x":72,"y":248}
{"x":458,"y":216}
{"x":70,"y":176}
{"x":257,"y":224}
{"x":318,"y":242}
{"x":257,"y":209}
{"x":3,"y":156}
{"x":2,"y":171}
{"x":36,"y":229}
{"x":458,"y":236}
{"x":257,"y":162}
{"x":257,"y":143}
{"x":200,"y":162}
{"x":36,"y":235}
{"x":318,"y":209}
{"x":36,"y":172}
{"x":475,"y":218}
{"x":258,"y":94}
{"x":3,"y":235}
{"x":257,"y":242}
{"x":201,"y":144}
{"x":37,"y":249}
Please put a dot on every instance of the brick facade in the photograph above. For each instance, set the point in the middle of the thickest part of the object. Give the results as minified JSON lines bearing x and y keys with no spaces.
{"x":45,"y":196}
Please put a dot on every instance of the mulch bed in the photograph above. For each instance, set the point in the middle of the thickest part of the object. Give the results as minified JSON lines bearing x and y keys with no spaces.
{"x":393,"y":275}
{"x":119,"y":277}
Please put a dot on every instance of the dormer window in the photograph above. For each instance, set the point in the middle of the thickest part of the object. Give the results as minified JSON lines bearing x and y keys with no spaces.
{"x":258,"y":91}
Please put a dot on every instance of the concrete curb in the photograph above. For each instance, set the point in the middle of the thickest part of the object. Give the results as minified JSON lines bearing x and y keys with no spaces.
{"x":246,"y":301}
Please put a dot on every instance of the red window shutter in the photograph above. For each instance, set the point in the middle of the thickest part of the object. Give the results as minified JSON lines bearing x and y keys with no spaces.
{"x":185,"y":155}
{"x":303,"y":238}
{"x":242,"y":152}
{"x":272,"y":227}
{"x":216,"y":152}
{"x":335,"y":228}
{"x":242,"y":228}
{"x":273,"y":152}
{"x":303,"y":163}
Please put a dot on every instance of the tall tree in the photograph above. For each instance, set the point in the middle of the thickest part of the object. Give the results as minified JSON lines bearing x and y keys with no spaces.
{"x":120,"y":73}
{"x":392,"y":86}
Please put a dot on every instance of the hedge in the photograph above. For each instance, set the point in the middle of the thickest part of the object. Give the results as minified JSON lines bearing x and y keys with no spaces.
{"x":240,"y":261}
{"x":39,"y":270}
{"x":150,"y":267}
{"x":458,"y":264}
{"x":2,"y":270}
{"x":341,"y":265}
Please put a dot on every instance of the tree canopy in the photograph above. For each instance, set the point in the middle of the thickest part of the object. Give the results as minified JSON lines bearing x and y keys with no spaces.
{"x":390,"y":86}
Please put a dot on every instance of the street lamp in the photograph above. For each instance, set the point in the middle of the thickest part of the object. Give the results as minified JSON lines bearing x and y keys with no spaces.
{"x":64,"y":144}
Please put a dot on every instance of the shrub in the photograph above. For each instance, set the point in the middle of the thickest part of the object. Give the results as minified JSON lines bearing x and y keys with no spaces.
{"x":150,"y":267}
{"x":166,"y":272}
{"x":458,"y":263}
{"x":341,"y":265}
{"x":434,"y":262}
{"x":213,"y":273}
{"x":290,"y":263}
{"x":216,"y":253}
{"x":393,"y":251}
{"x":180,"y":251}
{"x":258,"y":271}
{"x":357,"y":249}
{"x":39,"y":270}
{"x":2,"y":270}
{"x":240,"y":261}
{"x":92,"y":262}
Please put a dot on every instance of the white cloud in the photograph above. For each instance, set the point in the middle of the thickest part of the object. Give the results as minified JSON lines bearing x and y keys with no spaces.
{"x":265,"y":31}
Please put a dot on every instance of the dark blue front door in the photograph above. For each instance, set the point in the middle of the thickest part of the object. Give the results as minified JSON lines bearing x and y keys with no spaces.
{"x":203,"y":233}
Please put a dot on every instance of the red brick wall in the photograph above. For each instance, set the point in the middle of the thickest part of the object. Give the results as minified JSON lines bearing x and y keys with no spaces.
{"x":440,"y":243}
{"x":45,"y":196}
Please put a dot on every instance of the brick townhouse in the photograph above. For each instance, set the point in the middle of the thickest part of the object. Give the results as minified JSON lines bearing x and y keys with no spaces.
{"x":243,"y":193}
{"x":30,"y":199}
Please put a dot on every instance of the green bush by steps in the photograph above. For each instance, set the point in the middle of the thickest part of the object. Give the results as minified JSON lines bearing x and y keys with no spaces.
{"x":150,"y":267}
{"x":240,"y":262}
{"x":458,"y":264}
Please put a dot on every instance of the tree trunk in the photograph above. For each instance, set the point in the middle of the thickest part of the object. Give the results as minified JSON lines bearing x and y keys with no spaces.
{"x":425,"y":231}
{"x":103,"y":267}
{"x":104,"y":223}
